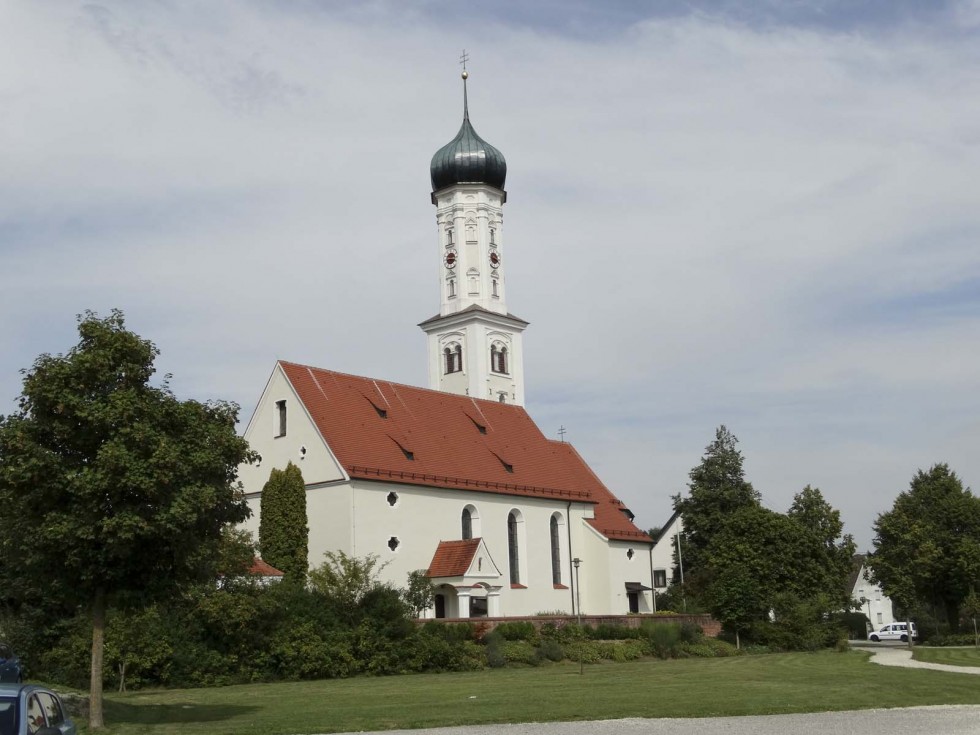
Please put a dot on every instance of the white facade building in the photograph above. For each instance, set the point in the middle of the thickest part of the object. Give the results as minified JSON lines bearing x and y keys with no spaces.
{"x":456,"y":479}
{"x":868,"y":596}
{"x":664,"y":552}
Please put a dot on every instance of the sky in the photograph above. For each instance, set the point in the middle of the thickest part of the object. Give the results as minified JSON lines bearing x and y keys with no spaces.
{"x":763,"y":214}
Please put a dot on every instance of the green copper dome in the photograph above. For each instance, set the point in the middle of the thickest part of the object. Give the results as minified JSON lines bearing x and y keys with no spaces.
{"x":467,"y":158}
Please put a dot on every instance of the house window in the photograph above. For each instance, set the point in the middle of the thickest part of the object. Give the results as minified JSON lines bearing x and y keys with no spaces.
{"x":498,"y":358}
{"x":280,"y":418}
{"x":512,"y":548}
{"x":880,"y":619}
{"x":555,"y":551}
{"x":659,"y":578}
{"x":454,"y":359}
{"x":467,"y":524}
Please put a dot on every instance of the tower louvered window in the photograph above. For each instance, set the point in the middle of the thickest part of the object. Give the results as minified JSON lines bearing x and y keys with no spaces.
{"x":454,"y":359}
{"x":498,"y":359}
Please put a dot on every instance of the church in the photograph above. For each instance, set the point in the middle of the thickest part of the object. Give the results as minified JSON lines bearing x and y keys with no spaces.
{"x":455,"y":479}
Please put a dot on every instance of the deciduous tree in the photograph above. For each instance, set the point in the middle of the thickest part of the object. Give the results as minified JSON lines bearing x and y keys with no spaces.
{"x":927,"y":547}
{"x":109,"y":485}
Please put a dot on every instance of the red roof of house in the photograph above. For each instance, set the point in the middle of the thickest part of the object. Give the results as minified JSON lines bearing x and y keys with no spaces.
{"x":452,"y":558}
{"x":260,"y":568}
{"x":387,"y":431}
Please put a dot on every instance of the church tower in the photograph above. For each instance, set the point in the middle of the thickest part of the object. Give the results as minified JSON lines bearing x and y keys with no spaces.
{"x":474,"y":344}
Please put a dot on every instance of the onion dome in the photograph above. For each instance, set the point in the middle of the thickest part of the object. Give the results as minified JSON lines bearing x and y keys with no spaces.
{"x":467,"y":158}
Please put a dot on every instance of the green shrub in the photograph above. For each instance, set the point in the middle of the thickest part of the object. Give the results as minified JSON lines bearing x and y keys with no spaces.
{"x":562,"y":632}
{"x":951,"y":639}
{"x":516,"y":631}
{"x":698,"y":650}
{"x":450,"y":632}
{"x":607,"y":632}
{"x":494,"y":647}
{"x":691,"y":632}
{"x":663,"y":639}
{"x":520,"y":652}
{"x":551,"y":650}
{"x":585,"y":651}
{"x":630,"y":650}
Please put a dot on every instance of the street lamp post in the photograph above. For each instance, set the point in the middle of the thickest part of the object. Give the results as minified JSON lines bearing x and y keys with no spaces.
{"x":578,"y":591}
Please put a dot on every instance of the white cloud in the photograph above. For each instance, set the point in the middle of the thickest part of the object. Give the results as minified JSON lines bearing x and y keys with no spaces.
{"x":707,"y":222}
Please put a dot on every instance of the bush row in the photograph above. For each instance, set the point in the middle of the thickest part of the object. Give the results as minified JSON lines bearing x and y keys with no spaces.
{"x":244,"y":633}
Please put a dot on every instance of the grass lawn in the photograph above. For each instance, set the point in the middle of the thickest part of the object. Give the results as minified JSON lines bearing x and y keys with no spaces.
{"x":744,"y":685}
{"x":954,"y":656}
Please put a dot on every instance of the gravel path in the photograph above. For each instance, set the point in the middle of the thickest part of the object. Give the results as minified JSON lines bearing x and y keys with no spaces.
{"x":948,"y":720}
{"x":902,"y":656}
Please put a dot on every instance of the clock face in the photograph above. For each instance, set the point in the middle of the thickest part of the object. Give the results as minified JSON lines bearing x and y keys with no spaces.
{"x":450,"y":259}
{"x":494,"y":259}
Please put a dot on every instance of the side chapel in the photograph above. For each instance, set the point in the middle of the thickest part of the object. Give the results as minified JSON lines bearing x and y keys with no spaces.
{"x":455,"y":479}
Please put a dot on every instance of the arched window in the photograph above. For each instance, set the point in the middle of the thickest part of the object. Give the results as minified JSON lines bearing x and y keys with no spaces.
{"x":452,"y":288}
{"x":470,"y":522}
{"x":512,"y":548}
{"x":454,"y":359}
{"x":498,"y":358}
{"x":555,"y":551}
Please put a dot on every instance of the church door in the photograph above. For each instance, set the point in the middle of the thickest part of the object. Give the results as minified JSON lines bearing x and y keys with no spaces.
{"x":440,"y":606}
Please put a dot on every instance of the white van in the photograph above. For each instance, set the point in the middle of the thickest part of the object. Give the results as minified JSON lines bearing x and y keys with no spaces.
{"x":893,"y":632}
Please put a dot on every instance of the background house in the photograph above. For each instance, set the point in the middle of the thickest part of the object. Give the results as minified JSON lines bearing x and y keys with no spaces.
{"x":868,"y":596}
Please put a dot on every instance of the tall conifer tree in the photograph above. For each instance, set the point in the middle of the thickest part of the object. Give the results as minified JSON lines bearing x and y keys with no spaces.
{"x":283,"y":527}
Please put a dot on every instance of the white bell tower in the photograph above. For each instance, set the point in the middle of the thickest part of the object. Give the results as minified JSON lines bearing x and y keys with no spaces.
{"x":474,"y":343}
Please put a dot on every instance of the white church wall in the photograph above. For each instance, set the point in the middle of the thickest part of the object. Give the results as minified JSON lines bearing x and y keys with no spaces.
{"x":276,"y":450}
{"x":301,"y":444}
{"x":423,"y":516}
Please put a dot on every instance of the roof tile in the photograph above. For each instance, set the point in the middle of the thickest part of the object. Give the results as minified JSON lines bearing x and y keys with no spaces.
{"x":444,"y":444}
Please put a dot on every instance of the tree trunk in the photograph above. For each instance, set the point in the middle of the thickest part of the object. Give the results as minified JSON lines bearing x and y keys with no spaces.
{"x":95,"y":720}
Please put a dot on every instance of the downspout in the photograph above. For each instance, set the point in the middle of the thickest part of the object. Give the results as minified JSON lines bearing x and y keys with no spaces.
{"x":653,"y":587}
{"x":568,"y":529}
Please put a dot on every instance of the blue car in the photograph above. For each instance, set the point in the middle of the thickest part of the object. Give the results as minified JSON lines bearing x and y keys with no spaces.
{"x":26,"y":709}
{"x":11,"y":668}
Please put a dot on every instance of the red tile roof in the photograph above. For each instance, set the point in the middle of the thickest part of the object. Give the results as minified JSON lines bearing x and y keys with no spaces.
{"x":387,"y":431}
{"x":452,"y":558}
{"x":260,"y":568}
